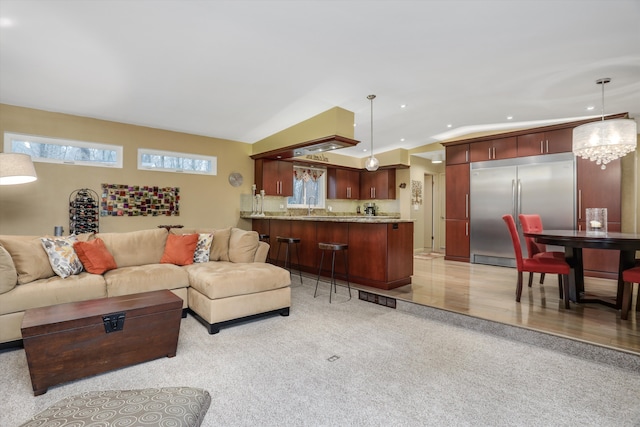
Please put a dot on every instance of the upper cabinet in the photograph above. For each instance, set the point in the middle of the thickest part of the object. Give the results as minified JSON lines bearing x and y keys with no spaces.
{"x":275,"y":177}
{"x":343,"y":183}
{"x":555,"y":141}
{"x":380,"y":184}
{"x":495,"y":149}
{"x":457,"y":154}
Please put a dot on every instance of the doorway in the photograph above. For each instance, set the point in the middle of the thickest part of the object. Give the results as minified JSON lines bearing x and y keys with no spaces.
{"x":434,"y":203}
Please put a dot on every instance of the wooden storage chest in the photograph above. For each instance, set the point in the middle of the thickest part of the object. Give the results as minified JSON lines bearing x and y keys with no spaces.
{"x":69,"y":341}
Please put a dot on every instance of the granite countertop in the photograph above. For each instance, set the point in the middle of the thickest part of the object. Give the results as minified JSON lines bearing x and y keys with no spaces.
{"x":380,"y":219}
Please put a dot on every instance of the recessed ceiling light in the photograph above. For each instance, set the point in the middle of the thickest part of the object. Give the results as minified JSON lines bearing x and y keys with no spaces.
{"x":364,"y":149}
{"x":509,"y":117}
{"x":355,"y":124}
{"x":5,"y":22}
{"x":401,"y":139}
{"x":590,"y":107}
{"x":449,"y":125}
{"x":403,"y":106}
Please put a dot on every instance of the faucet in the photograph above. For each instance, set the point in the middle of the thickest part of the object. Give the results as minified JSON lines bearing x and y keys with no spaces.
{"x":309,"y":202}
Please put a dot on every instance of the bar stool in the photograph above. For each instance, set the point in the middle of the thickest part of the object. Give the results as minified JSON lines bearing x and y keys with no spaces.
{"x":289,"y":241}
{"x":333,"y":247}
{"x":265,"y":238}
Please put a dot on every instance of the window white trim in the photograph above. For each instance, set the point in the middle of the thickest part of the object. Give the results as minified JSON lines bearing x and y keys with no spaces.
{"x":211,"y":161}
{"x":67,"y":146}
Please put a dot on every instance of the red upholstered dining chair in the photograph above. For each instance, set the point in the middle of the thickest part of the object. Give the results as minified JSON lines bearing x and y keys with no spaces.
{"x":630,"y":277}
{"x":537,"y":265}
{"x":532,"y":223}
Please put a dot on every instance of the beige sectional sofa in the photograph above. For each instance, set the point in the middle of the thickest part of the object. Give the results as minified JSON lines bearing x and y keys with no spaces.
{"x":235,"y":283}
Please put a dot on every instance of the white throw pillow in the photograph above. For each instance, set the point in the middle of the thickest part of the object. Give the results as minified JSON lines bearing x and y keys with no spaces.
{"x":203,"y":248}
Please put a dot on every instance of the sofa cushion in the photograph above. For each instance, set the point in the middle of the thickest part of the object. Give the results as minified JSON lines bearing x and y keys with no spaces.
{"x":8,"y":273}
{"x":220,"y":245}
{"x":145,"y":278}
{"x":62,"y":257}
{"x":29,"y":257}
{"x":243,"y":245}
{"x":203,"y":248}
{"x":136,"y":247}
{"x":225,"y":279}
{"x":54,"y":290}
{"x":95,"y":256}
{"x":179,"y":249}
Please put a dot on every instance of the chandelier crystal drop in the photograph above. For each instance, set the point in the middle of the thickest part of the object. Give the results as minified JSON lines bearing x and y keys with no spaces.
{"x":372,"y":163}
{"x":605,"y":140}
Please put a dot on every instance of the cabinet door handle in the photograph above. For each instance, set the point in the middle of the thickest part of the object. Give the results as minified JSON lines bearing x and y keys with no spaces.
{"x":489,"y":153}
{"x":466,"y":156}
{"x":547,"y":146}
{"x":541,"y":147}
{"x":466,"y":205}
{"x":579,"y":204}
{"x":348,"y":192}
{"x":466,"y":228}
{"x":494,"y":153}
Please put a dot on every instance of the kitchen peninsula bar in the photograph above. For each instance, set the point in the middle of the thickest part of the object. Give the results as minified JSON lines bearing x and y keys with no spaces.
{"x":380,"y":250}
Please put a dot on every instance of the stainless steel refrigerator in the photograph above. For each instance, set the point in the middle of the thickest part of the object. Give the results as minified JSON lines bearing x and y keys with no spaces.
{"x":543,"y":185}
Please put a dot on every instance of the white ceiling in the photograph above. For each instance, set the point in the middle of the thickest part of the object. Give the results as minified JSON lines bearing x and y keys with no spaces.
{"x":243,"y":70}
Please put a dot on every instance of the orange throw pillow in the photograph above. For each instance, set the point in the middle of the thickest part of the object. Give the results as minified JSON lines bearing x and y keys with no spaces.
{"x":94,"y":256}
{"x":179,"y":249}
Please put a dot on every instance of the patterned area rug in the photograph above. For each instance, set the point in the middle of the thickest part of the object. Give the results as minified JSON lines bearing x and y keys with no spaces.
{"x":428,"y":255}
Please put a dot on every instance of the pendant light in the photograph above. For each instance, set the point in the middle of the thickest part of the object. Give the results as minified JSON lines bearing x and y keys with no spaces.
{"x":372,"y":163}
{"x":605,"y":140}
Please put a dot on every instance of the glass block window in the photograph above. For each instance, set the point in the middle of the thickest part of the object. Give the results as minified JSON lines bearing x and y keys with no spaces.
{"x":168,"y":161}
{"x":64,"y":151}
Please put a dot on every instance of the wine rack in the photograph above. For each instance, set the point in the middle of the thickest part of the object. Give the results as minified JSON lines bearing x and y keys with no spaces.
{"x":84,"y":211}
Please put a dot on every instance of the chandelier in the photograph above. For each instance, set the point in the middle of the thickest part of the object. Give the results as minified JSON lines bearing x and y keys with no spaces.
{"x":372,"y":163}
{"x":605,"y":140}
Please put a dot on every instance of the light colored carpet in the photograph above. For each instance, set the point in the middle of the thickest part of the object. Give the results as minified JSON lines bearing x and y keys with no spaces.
{"x":391,"y":368}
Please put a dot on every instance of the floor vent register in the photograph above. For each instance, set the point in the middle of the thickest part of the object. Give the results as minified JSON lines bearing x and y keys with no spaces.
{"x":377,"y":299}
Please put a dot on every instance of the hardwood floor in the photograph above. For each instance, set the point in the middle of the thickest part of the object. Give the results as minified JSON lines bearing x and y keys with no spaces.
{"x":488,"y":292}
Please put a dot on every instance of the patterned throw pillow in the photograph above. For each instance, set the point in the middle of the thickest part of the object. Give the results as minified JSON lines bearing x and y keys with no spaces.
{"x":62,"y":257}
{"x":203,"y":248}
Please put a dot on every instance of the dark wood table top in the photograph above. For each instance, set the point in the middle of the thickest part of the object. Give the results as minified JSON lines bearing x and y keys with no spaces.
{"x":588,"y":239}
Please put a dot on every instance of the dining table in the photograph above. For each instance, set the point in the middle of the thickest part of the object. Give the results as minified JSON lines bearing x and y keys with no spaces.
{"x":576,"y":240}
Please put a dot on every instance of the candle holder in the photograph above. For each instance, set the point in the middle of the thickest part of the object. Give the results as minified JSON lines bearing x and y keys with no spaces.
{"x":261,"y":203}
{"x":596,"y":220}
{"x":254,"y":207}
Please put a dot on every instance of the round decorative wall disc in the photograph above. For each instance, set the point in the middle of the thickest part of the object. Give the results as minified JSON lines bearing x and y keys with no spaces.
{"x":235,"y":179}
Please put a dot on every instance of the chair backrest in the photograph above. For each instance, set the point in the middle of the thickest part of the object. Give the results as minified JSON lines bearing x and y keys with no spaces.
{"x":532,"y":223}
{"x":515,"y":239}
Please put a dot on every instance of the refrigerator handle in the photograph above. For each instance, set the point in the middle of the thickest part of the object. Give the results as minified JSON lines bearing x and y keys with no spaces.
{"x":513,"y":199}
{"x":519,"y":207}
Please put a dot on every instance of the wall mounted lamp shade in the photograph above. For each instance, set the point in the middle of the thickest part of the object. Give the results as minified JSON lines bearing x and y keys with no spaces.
{"x":372,"y":163}
{"x":16,"y":168}
{"x":605,"y":140}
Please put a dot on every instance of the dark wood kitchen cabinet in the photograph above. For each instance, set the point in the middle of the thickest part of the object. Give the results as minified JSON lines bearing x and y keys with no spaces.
{"x":600,"y":188}
{"x":495,"y":149}
{"x":551,"y":142}
{"x":343,"y":184}
{"x":457,"y":212}
{"x":275,"y":177}
{"x":380,"y":184}
{"x":457,"y":154}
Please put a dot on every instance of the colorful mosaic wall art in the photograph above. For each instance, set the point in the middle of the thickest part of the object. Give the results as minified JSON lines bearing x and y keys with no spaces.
{"x":134,"y":200}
